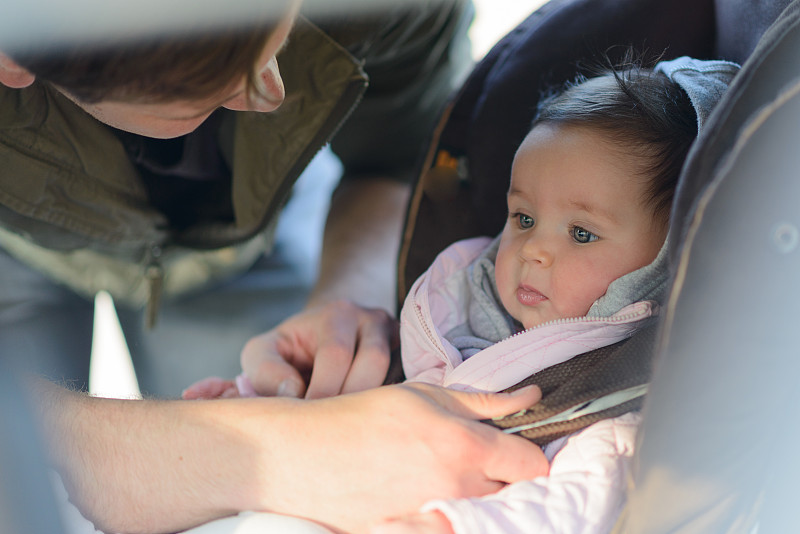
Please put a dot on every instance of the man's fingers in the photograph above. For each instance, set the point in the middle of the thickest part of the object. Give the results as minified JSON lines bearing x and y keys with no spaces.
{"x":354,"y":353}
{"x":505,"y":458}
{"x":269,"y":373}
{"x":276,"y":378}
{"x":372,"y":358}
{"x":331,"y":365}
{"x":514,"y":459}
{"x":335,"y":349}
{"x":483,"y":405}
{"x":510,"y":458}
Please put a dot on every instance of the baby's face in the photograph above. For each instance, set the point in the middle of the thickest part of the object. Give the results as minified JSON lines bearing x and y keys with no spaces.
{"x":577,"y":221}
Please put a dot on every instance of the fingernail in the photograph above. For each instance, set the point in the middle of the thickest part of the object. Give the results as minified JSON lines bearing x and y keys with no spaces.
{"x":289,"y":388}
{"x":522,"y":391}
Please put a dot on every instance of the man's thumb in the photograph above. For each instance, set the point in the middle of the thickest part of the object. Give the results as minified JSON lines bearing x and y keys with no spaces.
{"x":276,"y":379}
{"x":488,"y":405}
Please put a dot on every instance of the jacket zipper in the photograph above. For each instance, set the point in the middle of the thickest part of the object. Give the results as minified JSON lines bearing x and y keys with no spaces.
{"x":564,"y":320}
{"x":154,"y":278}
{"x":431,"y":337}
{"x":570,"y":320}
{"x":154,"y":270}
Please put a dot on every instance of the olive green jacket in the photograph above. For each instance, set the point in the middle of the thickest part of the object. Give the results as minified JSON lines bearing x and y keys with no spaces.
{"x":73,"y":206}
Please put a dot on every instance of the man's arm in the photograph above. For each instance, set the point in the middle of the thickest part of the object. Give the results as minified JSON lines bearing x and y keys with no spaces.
{"x":347,"y":461}
{"x":362,"y":237}
{"x":150,"y":466}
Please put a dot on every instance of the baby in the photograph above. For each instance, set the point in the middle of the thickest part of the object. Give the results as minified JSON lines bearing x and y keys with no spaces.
{"x":580,"y":264}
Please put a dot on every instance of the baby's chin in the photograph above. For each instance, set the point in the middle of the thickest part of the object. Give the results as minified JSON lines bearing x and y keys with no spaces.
{"x":529,"y":321}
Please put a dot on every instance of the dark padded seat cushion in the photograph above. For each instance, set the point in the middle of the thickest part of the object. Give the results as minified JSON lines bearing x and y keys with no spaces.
{"x":741,"y":23}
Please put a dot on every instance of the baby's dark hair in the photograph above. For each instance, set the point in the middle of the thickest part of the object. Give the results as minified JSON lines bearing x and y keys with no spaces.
{"x":641,"y":111}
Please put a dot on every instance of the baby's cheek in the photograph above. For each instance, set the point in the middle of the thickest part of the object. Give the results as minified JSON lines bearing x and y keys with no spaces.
{"x":505,"y":279}
{"x":589,"y":284}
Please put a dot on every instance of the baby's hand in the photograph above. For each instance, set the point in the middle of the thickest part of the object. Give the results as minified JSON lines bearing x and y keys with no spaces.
{"x":211,"y":388}
{"x":428,"y":523}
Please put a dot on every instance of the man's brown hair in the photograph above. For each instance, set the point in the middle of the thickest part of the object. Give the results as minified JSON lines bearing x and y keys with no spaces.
{"x":186,"y":67}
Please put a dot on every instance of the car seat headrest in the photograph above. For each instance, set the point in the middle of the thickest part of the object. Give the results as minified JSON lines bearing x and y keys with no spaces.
{"x":740,"y":24}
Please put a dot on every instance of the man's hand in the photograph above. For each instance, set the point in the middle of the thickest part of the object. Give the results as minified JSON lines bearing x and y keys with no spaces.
{"x":385,"y":452}
{"x":346,"y":461}
{"x":331,"y":349}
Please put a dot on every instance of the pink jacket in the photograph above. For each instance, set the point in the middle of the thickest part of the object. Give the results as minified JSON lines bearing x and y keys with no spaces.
{"x":586,"y":486}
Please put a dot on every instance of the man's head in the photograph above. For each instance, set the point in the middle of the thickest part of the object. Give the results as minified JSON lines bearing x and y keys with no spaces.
{"x":163,"y":87}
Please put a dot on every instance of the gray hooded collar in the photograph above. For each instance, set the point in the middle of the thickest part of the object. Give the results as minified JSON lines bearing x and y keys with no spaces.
{"x":705,"y":82}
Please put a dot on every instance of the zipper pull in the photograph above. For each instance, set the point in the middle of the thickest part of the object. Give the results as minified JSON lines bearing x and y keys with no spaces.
{"x":154,"y":276}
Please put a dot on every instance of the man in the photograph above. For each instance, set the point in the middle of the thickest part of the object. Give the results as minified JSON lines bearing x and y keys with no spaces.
{"x":89,"y":200}
{"x":154,"y":170}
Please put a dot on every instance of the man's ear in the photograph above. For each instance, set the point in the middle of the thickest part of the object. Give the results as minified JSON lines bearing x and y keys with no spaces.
{"x":12,"y":75}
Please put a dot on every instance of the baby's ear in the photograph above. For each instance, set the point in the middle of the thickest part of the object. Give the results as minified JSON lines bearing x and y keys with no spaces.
{"x":12,"y":75}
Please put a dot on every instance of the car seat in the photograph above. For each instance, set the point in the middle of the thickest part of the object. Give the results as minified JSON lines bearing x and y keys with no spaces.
{"x":725,"y":352}
{"x":469,"y":163}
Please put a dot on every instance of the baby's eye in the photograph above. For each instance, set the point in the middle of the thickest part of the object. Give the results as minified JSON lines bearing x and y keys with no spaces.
{"x":525,"y":221}
{"x":582,"y":235}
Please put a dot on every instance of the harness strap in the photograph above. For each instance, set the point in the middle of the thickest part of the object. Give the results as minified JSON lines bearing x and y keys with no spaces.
{"x":600,"y":384}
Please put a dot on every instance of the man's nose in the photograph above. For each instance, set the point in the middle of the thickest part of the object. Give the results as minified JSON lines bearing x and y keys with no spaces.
{"x":270,"y":97}
{"x":273,"y":87}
